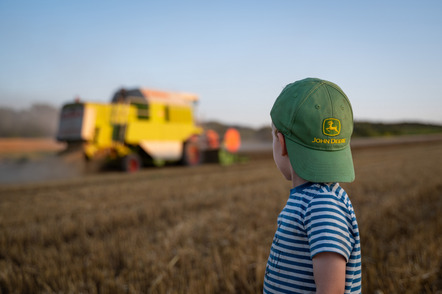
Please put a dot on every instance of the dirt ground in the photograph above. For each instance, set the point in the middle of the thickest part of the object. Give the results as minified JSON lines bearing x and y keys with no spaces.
{"x":20,"y":145}
{"x":208,"y":229}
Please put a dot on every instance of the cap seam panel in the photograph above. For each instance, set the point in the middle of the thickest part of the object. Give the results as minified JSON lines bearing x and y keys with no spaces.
{"x":331,"y":102}
{"x":343,"y":94}
{"x":305,"y":99}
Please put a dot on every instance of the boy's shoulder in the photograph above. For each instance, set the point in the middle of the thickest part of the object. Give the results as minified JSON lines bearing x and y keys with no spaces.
{"x":321,"y":193}
{"x":319,"y":188}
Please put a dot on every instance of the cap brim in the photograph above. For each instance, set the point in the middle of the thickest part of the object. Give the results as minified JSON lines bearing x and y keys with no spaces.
{"x":321,"y":166}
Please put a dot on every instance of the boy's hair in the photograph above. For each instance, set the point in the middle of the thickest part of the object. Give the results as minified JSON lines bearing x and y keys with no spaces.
{"x":316,"y":119}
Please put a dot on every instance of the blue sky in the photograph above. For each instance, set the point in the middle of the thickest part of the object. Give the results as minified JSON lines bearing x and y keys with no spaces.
{"x":236,"y":55}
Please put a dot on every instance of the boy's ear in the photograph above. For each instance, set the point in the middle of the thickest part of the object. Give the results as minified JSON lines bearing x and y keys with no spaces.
{"x":281,"y":139}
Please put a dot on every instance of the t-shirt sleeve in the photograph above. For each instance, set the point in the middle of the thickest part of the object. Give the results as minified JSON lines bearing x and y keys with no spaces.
{"x":328,"y":226}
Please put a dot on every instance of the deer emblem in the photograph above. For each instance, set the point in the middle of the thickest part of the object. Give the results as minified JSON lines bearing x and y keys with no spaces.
{"x":331,"y":127}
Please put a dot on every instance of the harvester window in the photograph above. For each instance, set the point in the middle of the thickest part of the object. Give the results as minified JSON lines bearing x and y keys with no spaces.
{"x":167,"y":113}
{"x":142,"y":110}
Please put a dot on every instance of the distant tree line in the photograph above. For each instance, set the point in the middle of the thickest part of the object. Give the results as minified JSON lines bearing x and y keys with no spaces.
{"x":361,"y":129}
{"x":369,"y":129}
{"x":40,"y":120}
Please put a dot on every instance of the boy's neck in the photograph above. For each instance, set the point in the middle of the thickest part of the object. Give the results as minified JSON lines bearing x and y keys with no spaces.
{"x":297,"y":180}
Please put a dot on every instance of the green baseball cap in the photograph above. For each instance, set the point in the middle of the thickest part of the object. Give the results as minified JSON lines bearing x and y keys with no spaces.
{"x":316,"y":119}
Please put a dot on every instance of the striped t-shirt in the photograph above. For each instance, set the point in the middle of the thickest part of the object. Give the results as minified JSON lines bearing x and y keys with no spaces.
{"x":317,"y":218}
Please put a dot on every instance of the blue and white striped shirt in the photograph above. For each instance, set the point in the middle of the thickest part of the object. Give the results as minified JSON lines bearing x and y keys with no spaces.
{"x":317,"y":218}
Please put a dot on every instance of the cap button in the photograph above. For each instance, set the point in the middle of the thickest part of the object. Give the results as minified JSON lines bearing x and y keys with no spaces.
{"x":317,"y":106}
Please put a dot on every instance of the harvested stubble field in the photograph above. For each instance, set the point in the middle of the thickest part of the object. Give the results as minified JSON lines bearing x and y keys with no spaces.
{"x":208,"y":229}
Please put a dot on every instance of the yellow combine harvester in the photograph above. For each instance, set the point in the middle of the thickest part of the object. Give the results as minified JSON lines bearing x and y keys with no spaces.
{"x":139,"y":127}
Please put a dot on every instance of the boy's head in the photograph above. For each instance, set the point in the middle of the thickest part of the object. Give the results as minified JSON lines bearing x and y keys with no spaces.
{"x":316,"y":119}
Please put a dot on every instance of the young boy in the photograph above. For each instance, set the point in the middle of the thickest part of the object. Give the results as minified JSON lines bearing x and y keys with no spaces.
{"x":316,"y":247}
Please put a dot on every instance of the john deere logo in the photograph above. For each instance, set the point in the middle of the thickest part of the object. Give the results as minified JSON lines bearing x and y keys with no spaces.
{"x":331,"y":127}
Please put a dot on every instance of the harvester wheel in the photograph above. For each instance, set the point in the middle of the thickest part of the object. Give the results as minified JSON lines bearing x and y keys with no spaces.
{"x":191,"y":153}
{"x":131,"y":163}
